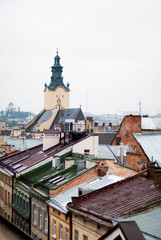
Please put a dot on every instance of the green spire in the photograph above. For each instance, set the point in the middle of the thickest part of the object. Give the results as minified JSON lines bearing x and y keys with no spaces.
{"x":56,"y":78}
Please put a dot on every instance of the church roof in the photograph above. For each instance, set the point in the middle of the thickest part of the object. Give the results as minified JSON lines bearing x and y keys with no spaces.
{"x":71,"y":113}
{"x":63,"y":114}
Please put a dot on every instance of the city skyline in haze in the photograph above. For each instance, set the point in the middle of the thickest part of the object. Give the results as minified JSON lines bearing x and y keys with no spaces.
{"x":110,"y":52}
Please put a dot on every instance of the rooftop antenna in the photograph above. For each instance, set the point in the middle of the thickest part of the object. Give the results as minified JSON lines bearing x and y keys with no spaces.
{"x":119,"y":110}
{"x":140,"y":107}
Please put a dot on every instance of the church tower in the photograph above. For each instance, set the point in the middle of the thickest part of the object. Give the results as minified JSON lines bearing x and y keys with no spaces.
{"x":56,"y":93}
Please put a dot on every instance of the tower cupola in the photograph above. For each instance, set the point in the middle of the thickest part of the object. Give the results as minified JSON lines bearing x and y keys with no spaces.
{"x":56,"y":78}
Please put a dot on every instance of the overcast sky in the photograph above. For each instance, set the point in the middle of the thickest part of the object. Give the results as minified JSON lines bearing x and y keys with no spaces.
{"x":110,"y":51}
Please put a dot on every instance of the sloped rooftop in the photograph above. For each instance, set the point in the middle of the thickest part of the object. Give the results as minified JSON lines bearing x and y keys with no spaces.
{"x":71,"y":113}
{"x":112,"y":201}
{"x":148,"y":123}
{"x":149,"y":222}
{"x":22,"y":160}
{"x":59,"y":202}
{"x":151,"y":144}
{"x":47,"y":177}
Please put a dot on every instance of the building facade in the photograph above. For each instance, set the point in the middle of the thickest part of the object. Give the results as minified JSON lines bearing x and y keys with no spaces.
{"x":6,"y":193}
{"x":21,"y":207}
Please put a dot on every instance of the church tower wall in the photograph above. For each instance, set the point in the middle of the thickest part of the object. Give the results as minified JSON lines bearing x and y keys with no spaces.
{"x":51,"y":98}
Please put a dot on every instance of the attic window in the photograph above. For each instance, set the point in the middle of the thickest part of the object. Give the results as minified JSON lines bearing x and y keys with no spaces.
{"x":118,"y":140}
{"x":86,"y":151}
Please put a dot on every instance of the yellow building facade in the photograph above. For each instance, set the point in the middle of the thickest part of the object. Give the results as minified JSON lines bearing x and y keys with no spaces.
{"x":6,"y":188}
{"x":60,"y":224}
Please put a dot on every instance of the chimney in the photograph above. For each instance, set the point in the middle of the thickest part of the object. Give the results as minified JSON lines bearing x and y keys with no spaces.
{"x":103,"y":124}
{"x":102,"y":170}
{"x":155,"y":173}
{"x":69,"y":162}
{"x":157,"y":180}
{"x":96,"y":124}
{"x":151,"y":169}
{"x":110,"y":124}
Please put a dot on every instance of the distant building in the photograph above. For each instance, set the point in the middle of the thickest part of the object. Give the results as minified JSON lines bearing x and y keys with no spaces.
{"x":11,"y":108}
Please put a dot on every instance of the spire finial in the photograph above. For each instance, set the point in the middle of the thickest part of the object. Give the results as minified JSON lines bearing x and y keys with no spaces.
{"x":57,"y":50}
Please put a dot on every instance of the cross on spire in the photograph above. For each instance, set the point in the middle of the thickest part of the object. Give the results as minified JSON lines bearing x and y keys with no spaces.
{"x":57,"y":50}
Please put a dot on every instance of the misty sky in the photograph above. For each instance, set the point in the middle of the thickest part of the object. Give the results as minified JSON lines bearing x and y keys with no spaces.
{"x":110,"y":51}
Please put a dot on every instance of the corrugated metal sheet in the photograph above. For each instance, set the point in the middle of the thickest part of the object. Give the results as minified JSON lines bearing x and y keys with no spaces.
{"x":150,"y":123}
{"x":104,"y":152}
{"x":148,"y":222}
{"x":151,"y":144}
{"x":111,"y":152}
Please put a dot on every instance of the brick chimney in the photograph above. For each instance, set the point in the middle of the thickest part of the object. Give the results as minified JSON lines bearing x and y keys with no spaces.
{"x":155,"y":173}
{"x":102,"y":170}
{"x":157,"y":180}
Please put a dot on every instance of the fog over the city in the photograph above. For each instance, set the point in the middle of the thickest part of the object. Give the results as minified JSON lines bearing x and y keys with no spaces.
{"x":110,"y":51}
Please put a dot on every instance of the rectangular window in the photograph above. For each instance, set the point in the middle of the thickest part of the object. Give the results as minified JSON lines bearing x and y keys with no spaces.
{"x":45,"y":224}
{"x":27,"y":207}
{"x":14,"y":200}
{"x":34,"y":215}
{"x":23,"y":204}
{"x":86,"y":151}
{"x":85,"y":237}
{"x":54,"y":229}
{"x":40,"y":220}
{"x":60,"y":231}
{"x":67,"y":234}
{"x":9,"y":198}
{"x":20,"y":202}
{"x":18,"y":199}
{"x":5,"y":196}
{"x":118,"y":140}
{"x":76,"y":235}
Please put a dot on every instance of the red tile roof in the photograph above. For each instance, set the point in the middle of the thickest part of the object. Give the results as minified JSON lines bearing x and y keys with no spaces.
{"x":116,"y":199}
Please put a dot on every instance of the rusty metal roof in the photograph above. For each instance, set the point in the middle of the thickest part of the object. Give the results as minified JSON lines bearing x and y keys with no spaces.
{"x":116,"y":199}
{"x":22,"y":160}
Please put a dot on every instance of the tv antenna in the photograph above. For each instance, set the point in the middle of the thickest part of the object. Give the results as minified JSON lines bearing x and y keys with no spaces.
{"x":140,"y":107}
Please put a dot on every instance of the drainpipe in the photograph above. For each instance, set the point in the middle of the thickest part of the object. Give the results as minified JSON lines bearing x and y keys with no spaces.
{"x":48,"y":222}
{"x":30,"y":215}
{"x":13,"y":177}
{"x":70,"y":226}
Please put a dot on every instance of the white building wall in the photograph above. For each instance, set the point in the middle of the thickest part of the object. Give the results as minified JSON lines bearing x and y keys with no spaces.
{"x":50,"y":140}
{"x":90,"y":143}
